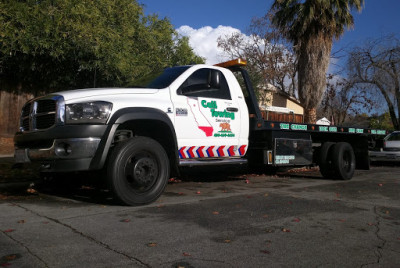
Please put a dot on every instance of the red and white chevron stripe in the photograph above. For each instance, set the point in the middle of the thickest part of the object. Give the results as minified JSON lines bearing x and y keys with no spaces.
{"x":211,"y":151}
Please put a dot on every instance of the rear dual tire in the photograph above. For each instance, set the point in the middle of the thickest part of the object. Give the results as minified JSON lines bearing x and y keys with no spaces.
{"x":337,"y":161}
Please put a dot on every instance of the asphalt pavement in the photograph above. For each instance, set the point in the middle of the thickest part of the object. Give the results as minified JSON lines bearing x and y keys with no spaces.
{"x":207,"y":218}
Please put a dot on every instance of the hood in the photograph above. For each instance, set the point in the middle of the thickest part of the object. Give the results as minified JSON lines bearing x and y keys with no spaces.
{"x":91,"y":92}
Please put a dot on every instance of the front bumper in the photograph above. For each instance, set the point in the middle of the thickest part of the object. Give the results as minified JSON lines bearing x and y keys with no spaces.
{"x":385,"y":156}
{"x":60,"y":149}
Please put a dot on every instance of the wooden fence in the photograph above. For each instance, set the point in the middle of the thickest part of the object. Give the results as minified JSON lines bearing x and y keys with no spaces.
{"x":10,"y":111}
{"x":282,"y":117}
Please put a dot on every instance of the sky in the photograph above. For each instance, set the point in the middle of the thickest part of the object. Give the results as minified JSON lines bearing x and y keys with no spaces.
{"x":204,"y":21}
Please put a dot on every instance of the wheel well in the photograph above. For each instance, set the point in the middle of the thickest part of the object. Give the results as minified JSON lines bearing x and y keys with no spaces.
{"x":155,"y":129}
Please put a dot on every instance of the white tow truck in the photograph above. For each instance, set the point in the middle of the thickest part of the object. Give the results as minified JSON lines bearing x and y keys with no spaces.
{"x":187,"y":116}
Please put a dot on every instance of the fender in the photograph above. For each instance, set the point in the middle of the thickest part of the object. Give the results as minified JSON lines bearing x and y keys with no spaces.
{"x":125,"y":115}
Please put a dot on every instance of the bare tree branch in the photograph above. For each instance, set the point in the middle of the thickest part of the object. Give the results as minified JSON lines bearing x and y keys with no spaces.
{"x":377,"y":65}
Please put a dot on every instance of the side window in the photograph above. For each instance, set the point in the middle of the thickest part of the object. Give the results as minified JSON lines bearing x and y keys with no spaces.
{"x":206,"y":83}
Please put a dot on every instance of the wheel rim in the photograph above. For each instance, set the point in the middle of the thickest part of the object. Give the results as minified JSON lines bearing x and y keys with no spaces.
{"x":141,"y":172}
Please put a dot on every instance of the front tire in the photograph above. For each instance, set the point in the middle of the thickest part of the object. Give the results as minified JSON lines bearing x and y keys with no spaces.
{"x":138,"y":171}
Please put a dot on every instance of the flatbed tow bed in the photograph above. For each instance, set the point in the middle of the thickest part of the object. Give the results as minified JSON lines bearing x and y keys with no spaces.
{"x":276,"y":143}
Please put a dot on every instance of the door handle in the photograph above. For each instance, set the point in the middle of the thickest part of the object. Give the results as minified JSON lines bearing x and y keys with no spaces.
{"x":232,"y":109}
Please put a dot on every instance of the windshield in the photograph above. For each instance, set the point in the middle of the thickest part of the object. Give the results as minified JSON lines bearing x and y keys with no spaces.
{"x":168,"y":76}
{"x":395,"y":136}
{"x":158,"y":80}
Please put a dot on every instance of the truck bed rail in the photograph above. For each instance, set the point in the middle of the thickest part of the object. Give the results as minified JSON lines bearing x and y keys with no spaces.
{"x":276,"y":125}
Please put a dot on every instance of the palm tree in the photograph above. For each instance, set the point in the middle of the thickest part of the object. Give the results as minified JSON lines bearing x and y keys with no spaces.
{"x":312,"y":25}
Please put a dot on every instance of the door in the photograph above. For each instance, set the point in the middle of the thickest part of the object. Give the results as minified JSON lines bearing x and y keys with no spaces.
{"x":207,"y":119}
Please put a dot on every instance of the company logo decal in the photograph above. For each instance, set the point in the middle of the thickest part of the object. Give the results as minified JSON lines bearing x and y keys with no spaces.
{"x":212,"y":105}
{"x":201,"y":121}
{"x":225,"y":127}
{"x":225,"y":131}
{"x":223,"y":117}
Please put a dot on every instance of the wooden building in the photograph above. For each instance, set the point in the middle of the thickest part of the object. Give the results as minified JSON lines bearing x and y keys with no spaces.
{"x":276,"y":105}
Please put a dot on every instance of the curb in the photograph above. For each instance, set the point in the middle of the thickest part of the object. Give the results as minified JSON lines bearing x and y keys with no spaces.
{"x":10,"y":186}
{"x":6,"y":155}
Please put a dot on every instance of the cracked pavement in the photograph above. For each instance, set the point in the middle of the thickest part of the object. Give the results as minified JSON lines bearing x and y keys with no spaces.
{"x":216,"y":219}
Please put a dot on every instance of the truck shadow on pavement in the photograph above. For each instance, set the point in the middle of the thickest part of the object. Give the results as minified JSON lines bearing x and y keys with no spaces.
{"x":89,"y":187}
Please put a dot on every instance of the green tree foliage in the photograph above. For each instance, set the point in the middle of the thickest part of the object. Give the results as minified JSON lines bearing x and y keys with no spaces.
{"x":183,"y":53}
{"x":382,"y":121}
{"x":51,"y":45}
{"x":311,"y":25}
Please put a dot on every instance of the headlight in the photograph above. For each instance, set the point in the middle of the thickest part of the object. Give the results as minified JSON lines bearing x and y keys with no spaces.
{"x":88,"y":112}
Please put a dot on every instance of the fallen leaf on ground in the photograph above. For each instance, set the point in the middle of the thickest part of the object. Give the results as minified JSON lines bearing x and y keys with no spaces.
{"x":31,"y":191}
{"x":173,"y":180}
{"x":10,"y":257}
{"x":21,"y":221}
{"x":186,"y":254}
{"x":265,"y":251}
{"x":84,"y":187}
{"x":215,"y":213}
{"x":227,"y":241}
{"x":265,"y":195}
{"x":152,"y":244}
{"x":342,"y":220}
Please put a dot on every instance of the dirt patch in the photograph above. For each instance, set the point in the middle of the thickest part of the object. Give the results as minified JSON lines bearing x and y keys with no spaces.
{"x":6,"y":146}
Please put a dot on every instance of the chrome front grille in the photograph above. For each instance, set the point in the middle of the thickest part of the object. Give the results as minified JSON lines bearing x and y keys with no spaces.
{"x":41,"y":113}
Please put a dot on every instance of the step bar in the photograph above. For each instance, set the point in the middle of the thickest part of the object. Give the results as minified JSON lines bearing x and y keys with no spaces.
{"x":212,"y":162}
